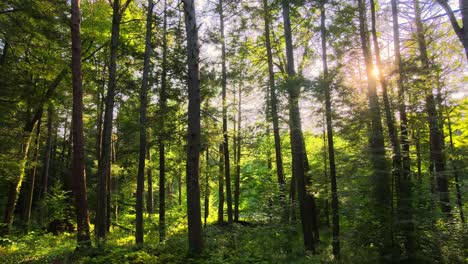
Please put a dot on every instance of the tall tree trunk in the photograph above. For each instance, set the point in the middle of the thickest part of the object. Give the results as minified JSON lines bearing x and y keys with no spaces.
{"x":227,"y":167}
{"x":143,"y":141}
{"x":105,"y":160}
{"x":162,"y":134}
{"x":436,"y":135}
{"x":207,"y":187}
{"x":149,"y":175}
{"x":46,"y":172}
{"x":221,"y":186}
{"x":238,"y":156}
{"x":455,"y":170}
{"x":193,"y":131}
{"x":30,"y":194}
{"x":79,"y":180}
{"x":404,"y":184}
{"x":299,"y":158}
{"x":274,"y":109}
{"x":380,"y":178}
{"x":331,"y":148}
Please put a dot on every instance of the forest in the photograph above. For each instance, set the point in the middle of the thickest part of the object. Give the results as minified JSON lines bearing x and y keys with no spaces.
{"x":233,"y":131}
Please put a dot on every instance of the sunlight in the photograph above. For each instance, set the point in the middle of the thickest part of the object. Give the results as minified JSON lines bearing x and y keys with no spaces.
{"x":376,"y":72}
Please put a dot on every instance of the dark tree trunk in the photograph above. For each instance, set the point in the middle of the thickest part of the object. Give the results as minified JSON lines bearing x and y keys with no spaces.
{"x":455,"y":170}
{"x":79,"y":180}
{"x":143,"y":141}
{"x":274,"y":110}
{"x":193,"y":131}
{"x":380,"y":178}
{"x":460,"y":31}
{"x":436,"y":135}
{"x":149,"y":174}
{"x":105,"y":159}
{"x":46,"y":172}
{"x":299,"y":158}
{"x":404,"y":183}
{"x":331,"y":148}
{"x":221,"y":186}
{"x":207,"y":187}
{"x":227,"y":166}
{"x":238,"y":157}
{"x":161,"y":143}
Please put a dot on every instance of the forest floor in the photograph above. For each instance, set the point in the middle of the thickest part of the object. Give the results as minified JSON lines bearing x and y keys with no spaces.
{"x":252,"y":243}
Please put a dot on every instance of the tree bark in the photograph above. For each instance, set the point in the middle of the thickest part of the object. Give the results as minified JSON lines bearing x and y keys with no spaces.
{"x":455,"y":170}
{"x":331,"y":148}
{"x":30,"y":194}
{"x":149,"y":175}
{"x":227,"y":168}
{"x":207,"y":187}
{"x":299,"y":160}
{"x":46,"y":172}
{"x":143,"y":140}
{"x":404,"y":184}
{"x":79,"y":180}
{"x":380,"y":178}
{"x":238,"y":156}
{"x":105,"y":160}
{"x":436,"y":137}
{"x":221,"y":186}
{"x":193,"y":131}
{"x":274,"y":110}
{"x":461,"y":31}
{"x":161,"y":146}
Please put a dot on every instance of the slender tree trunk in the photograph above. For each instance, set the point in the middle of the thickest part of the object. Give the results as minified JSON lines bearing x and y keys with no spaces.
{"x":193,"y":131}
{"x":436,"y":135}
{"x":143,"y":141}
{"x":46,"y":172}
{"x":274,"y":109}
{"x":227,"y":168}
{"x":299,"y":158}
{"x":105,"y":160}
{"x":30,"y":194}
{"x":331,"y":148}
{"x":207,"y":187}
{"x":161,"y":144}
{"x":79,"y":180}
{"x":149,"y":174}
{"x":221,"y":186}
{"x":455,"y":170}
{"x":238,"y":156}
{"x":404,"y":183}
{"x":380,"y":178}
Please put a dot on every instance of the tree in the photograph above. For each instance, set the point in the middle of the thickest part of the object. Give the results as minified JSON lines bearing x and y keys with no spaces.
{"x":380,"y":177}
{"x":143,"y":141}
{"x":436,"y":137}
{"x":105,"y":158}
{"x":460,"y":30}
{"x":299,"y":158}
{"x":274,"y":107}
{"x":193,"y":131}
{"x":79,"y":181}
{"x":331,"y":147}
{"x":227,"y":167}
{"x":162,"y":134}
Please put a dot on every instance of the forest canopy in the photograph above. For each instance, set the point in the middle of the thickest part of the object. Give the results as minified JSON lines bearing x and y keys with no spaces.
{"x":233,"y":131}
